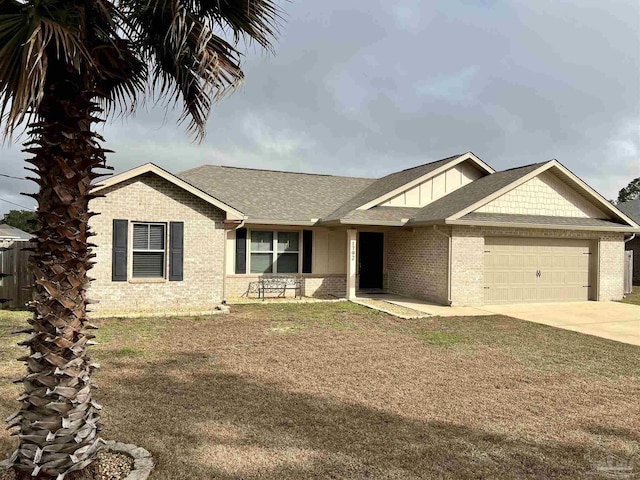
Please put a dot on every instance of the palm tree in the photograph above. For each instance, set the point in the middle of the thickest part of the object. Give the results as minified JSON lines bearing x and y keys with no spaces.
{"x":64,"y":65}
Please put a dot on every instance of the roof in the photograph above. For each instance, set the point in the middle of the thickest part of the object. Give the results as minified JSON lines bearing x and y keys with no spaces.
{"x":632,"y":209}
{"x":385,"y":185}
{"x":231,"y":212}
{"x":289,"y":198}
{"x":275,"y":195}
{"x":471,"y":193}
{"x":9,"y":232}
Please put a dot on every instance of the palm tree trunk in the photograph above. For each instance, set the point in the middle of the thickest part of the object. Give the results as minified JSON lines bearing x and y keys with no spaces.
{"x":58,"y":420}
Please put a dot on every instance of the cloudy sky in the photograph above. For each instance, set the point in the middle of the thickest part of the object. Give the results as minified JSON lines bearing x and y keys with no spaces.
{"x":367,"y":88}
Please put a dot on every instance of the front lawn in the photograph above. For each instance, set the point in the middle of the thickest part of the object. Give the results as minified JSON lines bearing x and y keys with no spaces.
{"x":634,"y":297}
{"x":338,"y":391}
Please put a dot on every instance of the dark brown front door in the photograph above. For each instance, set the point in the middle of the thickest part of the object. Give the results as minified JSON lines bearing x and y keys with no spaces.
{"x":371,"y":246}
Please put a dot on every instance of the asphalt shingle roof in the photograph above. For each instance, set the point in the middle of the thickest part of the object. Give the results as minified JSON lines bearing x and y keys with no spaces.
{"x":471,"y":193}
{"x":7,"y":231}
{"x":274,"y":195}
{"x":631,"y":209}
{"x":288,"y":196}
{"x":383,"y":186}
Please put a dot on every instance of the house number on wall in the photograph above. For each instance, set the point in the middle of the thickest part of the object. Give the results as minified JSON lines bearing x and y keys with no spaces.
{"x":353,"y":251}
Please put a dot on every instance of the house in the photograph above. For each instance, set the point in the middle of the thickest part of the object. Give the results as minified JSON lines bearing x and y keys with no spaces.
{"x":454,"y":231}
{"x":10,"y":235}
{"x":632,"y":210}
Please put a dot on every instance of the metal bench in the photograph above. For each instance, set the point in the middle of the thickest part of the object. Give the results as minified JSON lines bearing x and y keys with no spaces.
{"x":279,"y":285}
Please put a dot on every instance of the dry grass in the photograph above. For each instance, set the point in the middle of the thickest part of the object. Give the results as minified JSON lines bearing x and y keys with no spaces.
{"x":634,"y":297}
{"x":343,"y":392}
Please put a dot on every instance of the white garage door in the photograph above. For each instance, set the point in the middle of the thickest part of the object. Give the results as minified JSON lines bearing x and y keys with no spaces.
{"x":536,"y":270}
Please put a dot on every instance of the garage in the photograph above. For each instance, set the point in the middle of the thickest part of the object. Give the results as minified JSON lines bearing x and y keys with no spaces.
{"x":522,"y":270}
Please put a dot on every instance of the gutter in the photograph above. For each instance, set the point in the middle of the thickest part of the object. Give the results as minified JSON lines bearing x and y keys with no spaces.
{"x":449,"y":255}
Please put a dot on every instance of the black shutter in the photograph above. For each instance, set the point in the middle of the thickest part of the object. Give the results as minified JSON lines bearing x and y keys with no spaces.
{"x":307,"y":251}
{"x":119,"y":253}
{"x":176,"y":251}
{"x":241,"y":250}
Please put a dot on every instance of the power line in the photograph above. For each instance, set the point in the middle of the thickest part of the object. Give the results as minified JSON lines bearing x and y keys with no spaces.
{"x":16,"y":204}
{"x":11,"y":176}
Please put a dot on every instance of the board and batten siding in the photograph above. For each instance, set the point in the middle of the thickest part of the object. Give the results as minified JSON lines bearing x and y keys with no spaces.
{"x":436,"y":187}
{"x":149,"y":198}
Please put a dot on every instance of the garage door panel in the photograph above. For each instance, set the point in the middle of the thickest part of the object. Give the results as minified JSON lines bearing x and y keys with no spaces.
{"x":536,"y":270}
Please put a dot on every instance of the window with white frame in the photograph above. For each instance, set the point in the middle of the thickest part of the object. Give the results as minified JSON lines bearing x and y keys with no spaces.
{"x":275,"y":252}
{"x":149,"y":250}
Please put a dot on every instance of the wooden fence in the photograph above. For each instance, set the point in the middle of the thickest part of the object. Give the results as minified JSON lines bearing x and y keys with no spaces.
{"x":16,"y":281}
{"x":628,"y":272}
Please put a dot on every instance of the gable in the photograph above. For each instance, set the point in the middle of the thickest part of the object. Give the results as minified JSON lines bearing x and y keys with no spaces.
{"x":437,"y":186}
{"x":545,"y":195}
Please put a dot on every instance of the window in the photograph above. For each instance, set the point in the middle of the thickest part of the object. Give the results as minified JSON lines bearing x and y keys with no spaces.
{"x":275,"y":252}
{"x":148,"y":250}
{"x":261,"y":252}
{"x":288,"y":250}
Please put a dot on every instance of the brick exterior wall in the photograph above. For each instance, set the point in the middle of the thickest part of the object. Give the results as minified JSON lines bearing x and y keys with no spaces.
{"x":467,"y":260}
{"x":417,"y":263}
{"x":545,"y":194}
{"x":467,"y":266}
{"x":319,"y":286}
{"x":149,"y":198}
{"x":634,"y":245}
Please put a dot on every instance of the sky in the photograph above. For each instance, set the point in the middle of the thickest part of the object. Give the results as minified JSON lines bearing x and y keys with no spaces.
{"x":367,"y":88}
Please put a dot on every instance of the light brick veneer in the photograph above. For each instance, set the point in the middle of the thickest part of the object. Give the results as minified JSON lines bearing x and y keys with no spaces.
{"x":149,"y":198}
{"x":467,"y":259}
{"x":237,"y":286}
{"x":417,"y":263}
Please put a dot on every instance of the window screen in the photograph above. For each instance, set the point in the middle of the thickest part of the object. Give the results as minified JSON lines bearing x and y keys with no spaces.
{"x":149,"y":250}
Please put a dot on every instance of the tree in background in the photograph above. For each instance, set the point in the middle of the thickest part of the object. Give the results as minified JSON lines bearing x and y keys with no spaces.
{"x":64,"y":64}
{"x":25,"y":220}
{"x":630,"y":192}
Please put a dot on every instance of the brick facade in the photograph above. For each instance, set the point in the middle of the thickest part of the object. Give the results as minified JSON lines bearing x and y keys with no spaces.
{"x":417,"y":263}
{"x":320,"y":286}
{"x":148,"y":198}
{"x":467,"y":260}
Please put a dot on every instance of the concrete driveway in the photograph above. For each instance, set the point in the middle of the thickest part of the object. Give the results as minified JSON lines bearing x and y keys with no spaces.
{"x":612,"y":320}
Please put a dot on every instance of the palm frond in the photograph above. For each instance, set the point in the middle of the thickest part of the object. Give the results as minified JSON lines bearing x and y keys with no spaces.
{"x":29,"y":39}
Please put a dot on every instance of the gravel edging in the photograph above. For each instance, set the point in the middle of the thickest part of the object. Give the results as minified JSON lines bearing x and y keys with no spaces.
{"x":143,"y":462}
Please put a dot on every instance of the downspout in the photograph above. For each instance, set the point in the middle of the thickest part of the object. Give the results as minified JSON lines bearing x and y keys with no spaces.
{"x":449,"y":256}
{"x":224,"y":262}
{"x":633,"y":235}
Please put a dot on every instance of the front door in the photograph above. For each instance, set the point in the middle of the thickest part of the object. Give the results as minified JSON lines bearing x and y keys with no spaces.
{"x":371,"y":246}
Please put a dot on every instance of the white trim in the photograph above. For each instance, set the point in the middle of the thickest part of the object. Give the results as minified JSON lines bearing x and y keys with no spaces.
{"x":590,"y":193}
{"x":427,"y":176}
{"x":478,"y":223}
{"x":232,"y":213}
{"x":274,"y":251}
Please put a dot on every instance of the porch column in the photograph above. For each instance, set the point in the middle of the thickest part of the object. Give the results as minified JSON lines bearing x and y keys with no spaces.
{"x":352,"y":248}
